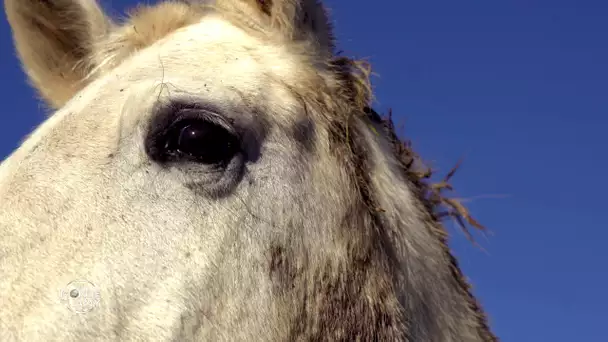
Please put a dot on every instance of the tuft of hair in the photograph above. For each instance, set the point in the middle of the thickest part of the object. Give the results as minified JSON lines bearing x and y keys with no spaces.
{"x":144,"y":26}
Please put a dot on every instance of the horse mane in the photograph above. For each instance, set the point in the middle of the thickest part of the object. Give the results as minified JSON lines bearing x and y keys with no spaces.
{"x":438,"y":206}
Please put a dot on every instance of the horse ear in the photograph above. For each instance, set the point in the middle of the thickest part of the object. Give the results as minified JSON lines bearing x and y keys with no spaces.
{"x":299,"y":20}
{"x":54,"y":40}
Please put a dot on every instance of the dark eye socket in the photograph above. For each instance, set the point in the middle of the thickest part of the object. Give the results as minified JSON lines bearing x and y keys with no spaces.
{"x":200,"y":141}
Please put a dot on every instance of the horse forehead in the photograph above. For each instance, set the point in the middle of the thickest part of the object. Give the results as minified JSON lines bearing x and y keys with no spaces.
{"x":228,"y":55}
{"x":213,"y":60}
{"x":217,"y":48}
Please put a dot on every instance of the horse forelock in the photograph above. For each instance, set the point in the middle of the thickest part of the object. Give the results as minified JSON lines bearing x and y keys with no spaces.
{"x":147,"y":24}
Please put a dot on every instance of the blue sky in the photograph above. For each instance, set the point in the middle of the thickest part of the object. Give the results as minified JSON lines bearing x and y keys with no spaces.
{"x":517,"y":88}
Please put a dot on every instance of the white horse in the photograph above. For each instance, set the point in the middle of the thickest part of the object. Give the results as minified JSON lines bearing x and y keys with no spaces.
{"x":212,"y":172}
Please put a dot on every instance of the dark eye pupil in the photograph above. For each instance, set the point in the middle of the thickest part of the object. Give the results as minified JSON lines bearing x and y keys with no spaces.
{"x":189,"y":137}
{"x":205,"y":142}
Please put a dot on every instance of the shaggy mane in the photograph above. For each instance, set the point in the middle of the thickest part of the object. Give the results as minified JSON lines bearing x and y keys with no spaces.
{"x":354,"y":76}
{"x":437,"y":204}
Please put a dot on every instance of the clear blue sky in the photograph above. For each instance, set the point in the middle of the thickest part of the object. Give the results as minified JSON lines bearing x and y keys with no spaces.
{"x":518,"y":88}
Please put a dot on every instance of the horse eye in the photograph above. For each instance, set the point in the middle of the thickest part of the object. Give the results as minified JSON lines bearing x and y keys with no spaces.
{"x":201,"y":141}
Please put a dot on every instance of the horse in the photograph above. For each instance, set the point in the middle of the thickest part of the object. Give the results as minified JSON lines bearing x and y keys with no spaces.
{"x":213,"y":170}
